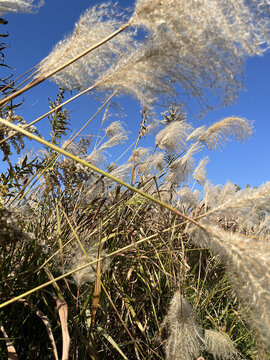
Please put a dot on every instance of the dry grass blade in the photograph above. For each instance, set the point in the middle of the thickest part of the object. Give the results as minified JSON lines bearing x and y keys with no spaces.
{"x":40,"y":80}
{"x":98,"y":170}
{"x":111,"y":341}
{"x":46,"y":322}
{"x":63,"y":315}
{"x":54,"y":280}
{"x":12,"y":355}
{"x":53,"y":110}
{"x":97,"y":289}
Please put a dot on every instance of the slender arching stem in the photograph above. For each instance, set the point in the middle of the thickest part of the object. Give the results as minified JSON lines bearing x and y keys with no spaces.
{"x":53,"y":110}
{"x":53,"y":72}
{"x":98,"y":170}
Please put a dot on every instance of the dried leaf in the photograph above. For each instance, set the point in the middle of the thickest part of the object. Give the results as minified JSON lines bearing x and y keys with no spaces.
{"x":12,"y":355}
{"x":63,"y":315}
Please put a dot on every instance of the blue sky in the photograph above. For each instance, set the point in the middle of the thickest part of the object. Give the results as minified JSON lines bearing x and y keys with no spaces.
{"x":32,"y":37}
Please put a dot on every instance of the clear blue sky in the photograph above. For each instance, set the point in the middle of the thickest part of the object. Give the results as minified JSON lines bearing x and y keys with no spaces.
{"x":32,"y":37}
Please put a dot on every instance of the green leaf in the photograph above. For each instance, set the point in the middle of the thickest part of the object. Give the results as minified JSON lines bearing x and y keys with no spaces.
{"x":111,"y":341}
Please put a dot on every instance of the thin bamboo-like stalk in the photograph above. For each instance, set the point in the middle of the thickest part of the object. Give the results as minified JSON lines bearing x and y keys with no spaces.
{"x":114,"y":253}
{"x":41,"y":79}
{"x":53,"y":110}
{"x":98,"y":170}
{"x":41,"y":172}
{"x":18,"y":78}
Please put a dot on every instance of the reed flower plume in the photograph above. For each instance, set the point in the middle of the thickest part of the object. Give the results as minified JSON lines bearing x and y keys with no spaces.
{"x":116,"y":134}
{"x":122,"y":172}
{"x":240,"y":27}
{"x":220,"y":132}
{"x":27,"y":6}
{"x":113,"y":129}
{"x":248,"y":263}
{"x":180,"y":171}
{"x":200,"y":171}
{"x":245,"y":206}
{"x":173,"y":137}
{"x":142,"y":74}
{"x":139,"y":155}
{"x":156,"y":162}
{"x":188,"y":198}
{"x":76,"y":258}
{"x":184,"y":335}
{"x":199,"y":46}
{"x":93,"y":26}
{"x":219,"y":345}
{"x":11,"y":227}
{"x":192,"y":150}
{"x":196,"y":133}
{"x":211,"y":194}
{"x":207,"y":40}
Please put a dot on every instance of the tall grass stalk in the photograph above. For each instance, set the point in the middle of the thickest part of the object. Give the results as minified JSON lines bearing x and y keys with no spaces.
{"x":100,"y":171}
{"x":146,"y":257}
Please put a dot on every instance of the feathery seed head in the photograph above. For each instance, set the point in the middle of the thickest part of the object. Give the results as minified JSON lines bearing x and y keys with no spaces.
{"x":211,"y":193}
{"x":139,"y":155}
{"x":219,"y":345}
{"x":173,"y":136}
{"x":94,"y":25}
{"x":77,"y":258}
{"x":200,"y":171}
{"x":196,"y":133}
{"x":248,"y":263}
{"x":11,"y":229}
{"x":242,"y":25}
{"x":207,"y":40}
{"x":121,"y":172}
{"x":114,"y":140}
{"x":114,"y":128}
{"x":243,"y":206}
{"x":180,"y":171}
{"x":185,"y":337}
{"x":192,"y":150}
{"x":18,"y":6}
{"x":141,"y":74}
{"x":220,"y":132}
{"x":188,"y":197}
{"x":158,"y":161}
{"x":96,"y":158}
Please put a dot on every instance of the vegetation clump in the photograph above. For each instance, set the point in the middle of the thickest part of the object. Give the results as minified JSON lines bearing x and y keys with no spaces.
{"x":133,"y":253}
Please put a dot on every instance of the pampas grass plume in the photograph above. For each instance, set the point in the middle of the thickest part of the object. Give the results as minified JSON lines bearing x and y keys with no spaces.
{"x":27,"y":6}
{"x":219,"y":345}
{"x":173,"y":136}
{"x":185,"y":337}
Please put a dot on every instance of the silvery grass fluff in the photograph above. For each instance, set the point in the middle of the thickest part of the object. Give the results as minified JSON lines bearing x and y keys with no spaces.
{"x":7,"y":6}
{"x":184,"y":335}
{"x":219,"y":345}
{"x":186,"y":340}
{"x":95,"y":24}
{"x":199,"y":45}
{"x":248,"y":262}
{"x":200,"y":172}
{"x":179,"y":136}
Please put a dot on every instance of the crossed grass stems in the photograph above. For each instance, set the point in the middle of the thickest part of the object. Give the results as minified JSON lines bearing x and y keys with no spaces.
{"x":62,"y":151}
{"x":58,"y":150}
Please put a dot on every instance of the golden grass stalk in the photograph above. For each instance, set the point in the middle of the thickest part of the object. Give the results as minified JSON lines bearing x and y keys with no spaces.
{"x":112,"y":254}
{"x":59,"y":107}
{"x":41,"y":79}
{"x":98,"y":170}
